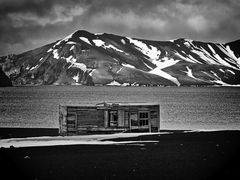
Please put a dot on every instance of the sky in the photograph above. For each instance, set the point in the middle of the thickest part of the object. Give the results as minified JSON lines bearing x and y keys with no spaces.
{"x":28,"y":24}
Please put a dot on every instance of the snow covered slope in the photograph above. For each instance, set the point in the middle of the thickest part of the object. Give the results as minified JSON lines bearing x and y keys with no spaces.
{"x":84,"y":58}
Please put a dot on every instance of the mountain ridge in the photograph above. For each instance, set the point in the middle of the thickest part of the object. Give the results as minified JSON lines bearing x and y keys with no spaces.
{"x":84,"y":58}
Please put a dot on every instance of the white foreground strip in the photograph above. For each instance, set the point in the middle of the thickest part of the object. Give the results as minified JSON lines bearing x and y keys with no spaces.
{"x":73,"y":140}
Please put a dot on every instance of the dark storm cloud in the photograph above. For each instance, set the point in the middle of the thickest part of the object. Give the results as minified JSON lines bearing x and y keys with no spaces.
{"x":27,"y":24}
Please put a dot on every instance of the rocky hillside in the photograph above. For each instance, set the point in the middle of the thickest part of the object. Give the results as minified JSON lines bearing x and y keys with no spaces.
{"x":84,"y":58}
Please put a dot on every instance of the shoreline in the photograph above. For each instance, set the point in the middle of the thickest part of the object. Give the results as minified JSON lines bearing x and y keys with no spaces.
{"x":19,"y":132}
{"x":177,"y":155}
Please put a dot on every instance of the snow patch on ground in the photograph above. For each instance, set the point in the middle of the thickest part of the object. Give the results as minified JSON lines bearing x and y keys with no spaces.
{"x":73,"y":140}
{"x":153,"y":53}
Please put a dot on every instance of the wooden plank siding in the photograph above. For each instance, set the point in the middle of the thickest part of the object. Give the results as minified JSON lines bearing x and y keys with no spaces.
{"x":90,"y":118}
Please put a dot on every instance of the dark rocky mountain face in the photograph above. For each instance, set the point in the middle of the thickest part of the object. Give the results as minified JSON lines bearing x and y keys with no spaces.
{"x":83,"y":58}
{"x":4,"y":80}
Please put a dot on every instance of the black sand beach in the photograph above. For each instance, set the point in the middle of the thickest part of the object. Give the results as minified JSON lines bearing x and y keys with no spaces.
{"x":191,"y":155}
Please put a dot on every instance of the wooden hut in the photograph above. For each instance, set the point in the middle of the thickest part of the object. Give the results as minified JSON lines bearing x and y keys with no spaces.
{"x":109,"y":117}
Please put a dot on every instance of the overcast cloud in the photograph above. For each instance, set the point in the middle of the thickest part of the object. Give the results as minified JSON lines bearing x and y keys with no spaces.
{"x":27,"y":24}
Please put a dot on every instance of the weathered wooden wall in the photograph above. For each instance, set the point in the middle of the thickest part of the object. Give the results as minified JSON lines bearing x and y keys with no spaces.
{"x":77,"y":119}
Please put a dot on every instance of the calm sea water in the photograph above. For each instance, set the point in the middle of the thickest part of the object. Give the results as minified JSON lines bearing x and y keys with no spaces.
{"x":181,"y":107}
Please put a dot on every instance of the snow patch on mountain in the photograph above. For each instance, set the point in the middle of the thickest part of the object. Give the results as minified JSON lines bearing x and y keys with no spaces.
{"x":85,"y":40}
{"x":71,"y":48}
{"x":119,"y":70}
{"x":188,"y":43}
{"x":163,"y":58}
{"x":81,"y":66}
{"x":217,"y":79}
{"x":34,"y":67}
{"x":185,"y":58}
{"x":76,"y":78}
{"x":71,"y":42}
{"x":166,"y":62}
{"x":128,"y":65}
{"x":98,"y":34}
{"x":67,"y":37}
{"x":50,"y":50}
{"x":189,"y":72}
{"x":153,"y":53}
{"x":148,"y":66}
{"x":222,"y":70}
{"x":230,"y":71}
{"x":231,"y":53}
{"x":114,"y":83}
{"x":100,"y":43}
{"x":165,"y":75}
{"x":123,"y":41}
{"x":211,"y":48}
{"x":74,"y":63}
{"x":55,"y":54}
{"x":91,"y":72}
